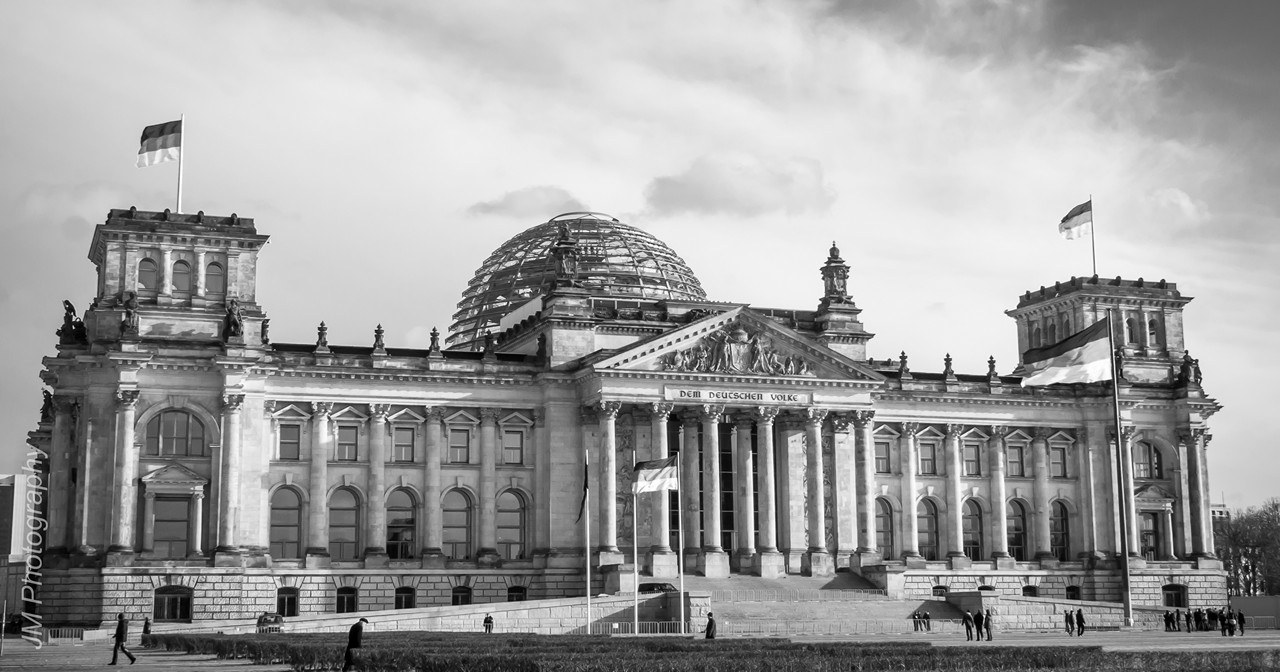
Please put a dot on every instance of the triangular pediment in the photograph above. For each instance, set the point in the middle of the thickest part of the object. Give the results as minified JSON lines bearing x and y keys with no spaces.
{"x":1153,"y":492}
{"x":737,"y":342}
{"x":174,"y":474}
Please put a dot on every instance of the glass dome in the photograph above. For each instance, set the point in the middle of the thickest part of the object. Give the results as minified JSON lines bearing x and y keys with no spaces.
{"x":615,"y":260}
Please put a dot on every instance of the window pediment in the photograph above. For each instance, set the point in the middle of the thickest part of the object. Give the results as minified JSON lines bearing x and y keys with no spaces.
{"x":174,"y":478}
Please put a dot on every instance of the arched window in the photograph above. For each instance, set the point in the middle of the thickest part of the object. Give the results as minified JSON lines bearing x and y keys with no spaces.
{"x":1073,"y":592}
{"x":344,"y":525}
{"x":287,"y":601}
{"x":457,"y":525}
{"x":1149,"y":528}
{"x":215,"y":280}
{"x":884,"y":528}
{"x":175,"y":434}
{"x":1035,"y":336}
{"x":401,"y":522}
{"x":1016,"y":514}
{"x":348,"y":600}
{"x":1059,"y":535}
{"x":172,"y":603}
{"x":940,"y":591}
{"x":973,"y":530}
{"x":1053,"y":333}
{"x":1030,"y":591}
{"x":1146,"y":461}
{"x":461,"y":596}
{"x":1175,"y":596}
{"x":148,"y":275}
{"x":181,"y":276}
{"x":927,"y":522}
{"x":989,"y":589}
{"x":517,"y":594}
{"x":286,"y":525}
{"x":511,"y":526}
{"x":1131,"y":330}
{"x":1153,"y":333}
{"x":406,"y":597}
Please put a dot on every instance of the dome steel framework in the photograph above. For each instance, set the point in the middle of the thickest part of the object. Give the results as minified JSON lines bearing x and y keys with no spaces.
{"x":615,"y":260}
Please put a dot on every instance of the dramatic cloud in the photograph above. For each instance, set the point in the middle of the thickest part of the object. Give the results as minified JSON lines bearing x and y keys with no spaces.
{"x":530,"y":202}
{"x":742,"y":184}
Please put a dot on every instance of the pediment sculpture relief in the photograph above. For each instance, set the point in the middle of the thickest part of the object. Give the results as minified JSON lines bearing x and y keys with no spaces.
{"x":734,"y":349}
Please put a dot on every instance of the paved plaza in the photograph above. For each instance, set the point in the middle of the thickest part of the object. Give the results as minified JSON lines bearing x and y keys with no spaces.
{"x":18,"y":655}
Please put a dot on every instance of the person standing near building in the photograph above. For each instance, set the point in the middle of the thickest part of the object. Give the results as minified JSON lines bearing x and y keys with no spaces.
{"x":121,"y":637}
{"x":1071,"y":622}
{"x":928,"y":627}
{"x":977,"y":623}
{"x":1187,"y":619}
{"x":711,"y":626}
{"x":1240,"y":621}
{"x":1079,"y":622}
{"x":488,"y":624}
{"x":355,"y":638}
{"x":968,"y":625}
{"x":986,"y":621}
{"x":915,"y":621}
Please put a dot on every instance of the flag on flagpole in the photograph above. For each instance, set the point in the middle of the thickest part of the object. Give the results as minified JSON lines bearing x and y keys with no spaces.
{"x":1083,"y":357}
{"x":160,"y":143}
{"x":586,"y":471}
{"x":1079,"y":222}
{"x":655,"y":475}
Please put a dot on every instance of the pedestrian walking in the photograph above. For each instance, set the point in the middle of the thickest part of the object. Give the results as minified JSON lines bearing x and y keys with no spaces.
{"x":711,"y":626}
{"x":987,"y":622}
{"x":355,"y":637}
{"x":968,"y":625}
{"x":1071,"y":622}
{"x":1222,"y":621}
{"x":121,"y":636}
{"x":1079,"y":622}
{"x":928,"y":627}
{"x":488,"y":624}
{"x":977,"y":623}
{"x":1177,"y":620}
{"x":1187,"y":617}
{"x":1240,"y":621}
{"x":146,"y":625}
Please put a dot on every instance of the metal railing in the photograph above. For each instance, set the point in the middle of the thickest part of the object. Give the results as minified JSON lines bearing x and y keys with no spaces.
{"x":847,"y":595}
{"x":61,"y":635}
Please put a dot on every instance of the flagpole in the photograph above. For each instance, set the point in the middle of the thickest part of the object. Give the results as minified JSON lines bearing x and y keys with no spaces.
{"x":1120,"y":471}
{"x":635,"y":564}
{"x":182,"y":150}
{"x":680,"y":539}
{"x":1093,"y":235}
{"x":586,"y":464}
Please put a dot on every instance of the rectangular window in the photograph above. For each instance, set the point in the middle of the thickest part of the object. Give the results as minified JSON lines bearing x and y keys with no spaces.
{"x":882,"y":457}
{"x":402,"y":445}
{"x":928,"y":458}
{"x":170,"y":527}
{"x":290,"y":442}
{"x":347,"y":443}
{"x":287,"y":603}
{"x":972,"y":460}
{"x":1058,"y":461}
{"x":1013,"y":460}
{"x":513,"y":447}
{"x":459,"y":446}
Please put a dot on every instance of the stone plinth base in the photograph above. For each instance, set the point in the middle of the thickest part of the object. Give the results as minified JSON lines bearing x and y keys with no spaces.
{"x":959,"y":561}
{"x":915,"y":561}
{"x":608,"y":557}
{"x":317,"y":560}
{"x":1004,"y":562}
{"x":866,"y":558}
{"x":818,"y":563}
{"x":228,"y":556}
{"x":488,"y":558}
{"x":376,"y":560}
{"x":795,"y":561}
{"x":433,"y":559}
{"x":1208,"y":562}
{"x":714,"y":564}
{"x":771,"y":565}
{"x":120,"y":558}
{"x":663,"y":565}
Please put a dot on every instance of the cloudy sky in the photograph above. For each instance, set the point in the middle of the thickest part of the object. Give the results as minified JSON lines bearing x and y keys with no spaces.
{"x":388,"y":147}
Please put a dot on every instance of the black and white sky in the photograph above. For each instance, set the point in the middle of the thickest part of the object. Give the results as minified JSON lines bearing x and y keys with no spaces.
{"x":389,"y":147}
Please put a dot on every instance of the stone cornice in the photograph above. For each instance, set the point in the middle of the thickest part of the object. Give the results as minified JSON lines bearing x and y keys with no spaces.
{"x":686,"y":378}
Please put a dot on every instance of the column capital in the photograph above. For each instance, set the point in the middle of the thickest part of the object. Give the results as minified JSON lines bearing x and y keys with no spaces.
{"x":232,"y":403}
{"x":1207,"y":438}
{"x":863,"y":419}
{"x":149,"y":495}
{"x":998,"y":432}
{"x":1198,"y":433}
{"x":954,"y":430}
{"x":765,"y":414}
{"x":1127,"y":432}
{"x":435,"y":413}
{"x":814,"y":415}
{"x":197,"y":496}
{"x":662,"y":408}
{"x":910,"y":429}
{"x":378,"y":412}
{"x":269,"y":406}
{"x":539,"y":417}
{"x":609,"y":409}
{"x":489,"y":416}
{"x":321,"y":409}
{"x":127,"y":399}
{"x":840,"y":422}
{"x":712,"y":412}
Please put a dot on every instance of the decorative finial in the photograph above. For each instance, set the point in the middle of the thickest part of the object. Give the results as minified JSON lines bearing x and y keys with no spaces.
{"x":991,"y":367}
{"x":377,"y":338}
{"x":565,"y":252}
{"x":902,"y":363}
{"x":435,"y":340}
{"x":266,"y":329}
{"x":322,"y":339}
{"x":541,"y":354}
{"x":835,"y":278}
{"x":946,"y":366}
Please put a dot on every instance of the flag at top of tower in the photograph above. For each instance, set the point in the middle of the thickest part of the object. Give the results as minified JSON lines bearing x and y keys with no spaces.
{"x":1083,"y":357}
{"x":655,"y":475}
{"x":1079,"y":222}
{"x":160,"y":143}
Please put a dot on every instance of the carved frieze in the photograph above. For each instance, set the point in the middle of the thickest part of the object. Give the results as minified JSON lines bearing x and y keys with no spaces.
{"x":735,"y":349}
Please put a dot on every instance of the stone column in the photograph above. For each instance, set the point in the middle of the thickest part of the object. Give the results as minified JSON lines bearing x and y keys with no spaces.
{"x":1040,"y":493}
{"x":817,"y":560}
{"x":61,"y":494}
{"x":955,"y":498}
{"x":432,"y":553}
{"x":793,"y":491}
{"x":165,"y":273}
{"x":662,"y":561}
{"x":745,"y":466}
{"x":228,"y":550}
{"x":487,"y":554}
{"x":1127,"y":490}
{"x":1200,"y":522}
{"x":1166,"y":546}
{"x":1182,"y":498}
{"x":910,"y":462}
{"x":543,"y":470}
{"x":770,"y":564}
{"x":865,"y":447}
{"x":1209,"y":542}
{"x":375,"y":551}
{"x":608,"y":464}
{"x":715,"y":562}
{"x":198,"y":289}
{"x":196,"y":511}
{"x":690,"y":482}
{"x":1093,"y":442}
{"x":148,"y":522}
{"x":999,"y":496}
{"x":126,"y":476}
{"x":844,"y":491}
{"x":318,"y":498}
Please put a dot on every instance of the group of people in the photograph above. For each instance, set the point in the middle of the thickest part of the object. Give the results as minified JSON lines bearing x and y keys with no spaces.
{"x":1205,"y":620}
{"x":920,"y":622}
{"x":1075,"y":622}
{"x":977,"y":622}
